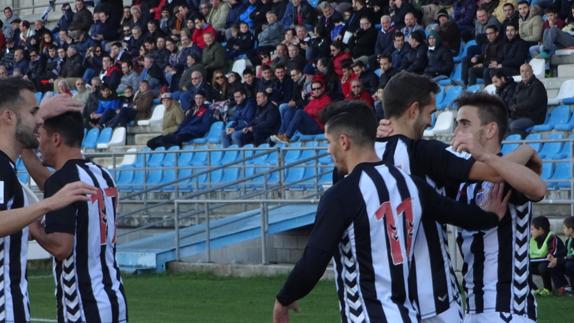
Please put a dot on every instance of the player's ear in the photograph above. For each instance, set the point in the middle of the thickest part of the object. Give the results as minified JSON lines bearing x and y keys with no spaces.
{"x":413,"y":110}
{"x":491,"y":130}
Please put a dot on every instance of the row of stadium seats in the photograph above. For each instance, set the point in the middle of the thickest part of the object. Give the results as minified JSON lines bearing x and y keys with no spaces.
{"x":163,"y":166}
{"x":103,"y":139}
{"x":559,"y":118}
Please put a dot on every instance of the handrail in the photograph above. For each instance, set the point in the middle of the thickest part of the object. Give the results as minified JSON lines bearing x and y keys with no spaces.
{"x":264,"y":209}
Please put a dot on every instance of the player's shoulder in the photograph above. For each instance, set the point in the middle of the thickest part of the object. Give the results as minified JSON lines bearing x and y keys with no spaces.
{"x":68,"y":173}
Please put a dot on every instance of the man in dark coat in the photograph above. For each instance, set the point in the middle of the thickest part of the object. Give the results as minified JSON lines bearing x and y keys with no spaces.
{"x":530,"y":102}
{"x":266,"y":122}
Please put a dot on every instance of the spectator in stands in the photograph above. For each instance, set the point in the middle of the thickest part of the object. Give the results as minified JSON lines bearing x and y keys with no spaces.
{"x":197,"y":84}
{"x":296,"y":60}
{"x":151,"y":73}
{"x":272,"y":33}
{"x":173,"y":115}
{"x":236,"y":8}
{"x":280,"y":56}
{"x":359,"y":93}
{"x":440,"y":63}
{"x":282,"y":86}
{"x":201,"y":28}
{"x":410,"y":25}
{"x":347,"y":77}
{"x":213,"y":56}
{"x":82,"y":92}
{"x":511,"y":16}
{"x":402,"y":7}
{"x":108,"y":105}
{"x":111,"y":74}
{"x":463,"y":15}
{"x":124,"y":115}
{"x":378,"y":105}
{"x":491,"y":56}
{"x":530,"y":23}
{"x":530,"y":102}
{"x":483,"y":20}
{"x":361,"y":43}
{"x":20,"y":61}
{"x":367,"y":77}
{"x":249,"y":82}
{"x":265,"y":123}
{"x":498,"y":11}
{"x":400,"y":51}
{"x":359,"y":11}
{"x":306,"y":120}
{"x":82,"y":18}
{"x":220,"y":87}
{"x":240,"y":42}
{"x":217,"y":16}
{"x":449,"y":33}
{"x":328,"y":18}
{"x":552,"y":38}
{"x":129,"y":77}
{"x":339,"y":55}
{"x":387,"y":70}
{"x":298,"y":12}
{"x":325,"y":70}
{"x":265,"y":83}
{"x":195,"y":124}
{"x":135,"y":107}
{"x":416,"y":59}
{"x":93,"y":62}
{"x":93,"y":101}
{"x":384,"y":44}
{"x":505,"y":86}
{"x":515,"y":52}
{"x":9,"y":17}
{"x":242,"y":116}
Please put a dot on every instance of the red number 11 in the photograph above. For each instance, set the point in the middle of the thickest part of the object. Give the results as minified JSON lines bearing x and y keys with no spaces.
{"x":385,"y":211}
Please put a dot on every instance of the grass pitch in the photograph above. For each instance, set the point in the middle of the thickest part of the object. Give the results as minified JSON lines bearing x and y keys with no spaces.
{"x":167,"y":298}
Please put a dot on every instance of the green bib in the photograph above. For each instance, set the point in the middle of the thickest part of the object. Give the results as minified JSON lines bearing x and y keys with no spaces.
{"x":535,"y":251}
{"x":569,"y":248}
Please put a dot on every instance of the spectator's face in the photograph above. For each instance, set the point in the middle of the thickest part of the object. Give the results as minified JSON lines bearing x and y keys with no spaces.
{"x":3,"y":72}
{"x":498,"y":82}
{"x":334,"y":51}
{"x":96,"y":16}
{"x":432,"y":41}
{"x":266,"y":74}
{"x":196,"y":78}
{"x":80,"y":85}
{"x":144,"y":87}
{"x":442,"y":20}
{"x":536,"y":232}
{"x":105,"y":92}
{"x":38,"y":25}
{"x":34,"y":56}
{"x":271,"y":18}
{"x":208,"y":39}
{"x":190,"y":24}
{"x":296,"y":2}
{"x":358,"y":70}
{"x":219,"y":78}
{"x":244,"y":28}
{"x":18,"y":55}
{"x":413,"y":42}
{"x":385,"y":64}
{"x":52,"y":52}
{"x":127,"y":14}
{"x":61,"y":53}
{"x":190,"y":60}
{"x":481,"y":16}
{"x":136,"y":14}
{"x":71,"y":51}
{"x":151,"y":27}
{"x":106,"y":62}
{"x":491,"y":35}
{"x":114,"y":51}
{"x":510,"y":32}
{"x":184,"y":39}
{"x":170,"y":46}
{"x":523,"y":9}
{"x":160,"y":43}
{"x":551,"y":17}
{"x":125,"y":68}
{"x":293,"y":51}
{"x":280,"y":51}
{"x":410,"y":20}
{"x":327,"y":11}
{"x":22,"y":27}
{"x":279,"y":73}
{"x":526,"y":72}
{"x":47,"y":38}
{"x":61,"y":87}
{"x":128,"y":92}
{"x":261,"y":99}
{"x":79,"y":5}
{"x":199,"y":100}
{"x":356,"y":87}
{"x":386,"y":23}
{"x":8,"y":13}
{"x":63,"y":35}
{"x":204,"y":9}
{"x":301,"y":32}
{"x":508,"y":11}
{"x":399,"y":42}
{"x":364,"y":24}
{"x":295,"y":75}
{"x":238,"y":97}
{"x":148,"y":62}
{"x":316,"y":89}
{"x":248,"y":78}
{"x":136,"y":33}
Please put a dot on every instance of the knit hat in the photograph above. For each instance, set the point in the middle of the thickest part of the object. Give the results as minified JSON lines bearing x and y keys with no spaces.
{"x":435,"y":35}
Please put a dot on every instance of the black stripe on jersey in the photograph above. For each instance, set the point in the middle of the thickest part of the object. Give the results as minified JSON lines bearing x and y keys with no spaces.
{"x":106,"y":278}
{"x":59,"y":294}
{"x":340,"y":288}
{"x":397,"y":285}
{"x":110,"y":183}
{"x":477,"y":249}
{"x":439,"y":279}
{"x":505,"y":256}
{"x":15,"y":276}
{"x":389,"y":154}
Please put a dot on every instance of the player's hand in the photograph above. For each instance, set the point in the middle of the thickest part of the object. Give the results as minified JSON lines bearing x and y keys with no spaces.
{"x":70,"y":193}
{"x":57,"y":105}
{"x":384,"y":129}
{"x":468,"y":143}
{"x":496,"y":202}
{"x":281,"y":312}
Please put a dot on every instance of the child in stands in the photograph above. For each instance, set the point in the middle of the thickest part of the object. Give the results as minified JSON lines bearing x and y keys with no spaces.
{"x":546,"y":257}
{"x":568,"y":228}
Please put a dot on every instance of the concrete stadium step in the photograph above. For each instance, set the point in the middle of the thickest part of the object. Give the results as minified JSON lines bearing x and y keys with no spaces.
{"x":566,"y":71}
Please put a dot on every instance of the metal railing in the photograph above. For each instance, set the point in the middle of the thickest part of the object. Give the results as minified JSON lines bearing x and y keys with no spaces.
{"x":264,"y":213}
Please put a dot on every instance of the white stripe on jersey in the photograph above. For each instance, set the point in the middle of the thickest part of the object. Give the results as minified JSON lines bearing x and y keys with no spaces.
{"x":401,"y":151}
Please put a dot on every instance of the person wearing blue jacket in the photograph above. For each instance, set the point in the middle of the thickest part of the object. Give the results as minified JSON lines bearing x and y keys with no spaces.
{"x":108,"y":106}
{"x":196,"y":124}
{"x":241,"y":118}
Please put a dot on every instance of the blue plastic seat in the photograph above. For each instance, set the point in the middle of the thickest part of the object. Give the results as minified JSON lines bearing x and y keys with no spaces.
{"x":552,"y":148}
{"x":566,"y":151}
{"x":213,"y":136}
{"x":105,"y":136}
{"x":535,"y":145}
{"x":474,"y":88}
{"x":125,"y":177}
{"x":562,"y":175}
{"x":450,"y":96}
{"x":558,"y":115}
{"x":199,"y":156}
{"x":90,"y":139}
{"x":567,"y":126}
{"x":547,"y":171}
{"x":506,"y":148}
{"x":292,"y":154}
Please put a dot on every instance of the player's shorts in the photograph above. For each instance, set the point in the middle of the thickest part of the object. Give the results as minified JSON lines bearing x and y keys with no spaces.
{"x":452,"y":315}
{"x":497,"y":317}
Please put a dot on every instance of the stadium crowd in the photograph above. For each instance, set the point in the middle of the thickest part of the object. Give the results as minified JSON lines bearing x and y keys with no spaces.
{"x":299,"y":56}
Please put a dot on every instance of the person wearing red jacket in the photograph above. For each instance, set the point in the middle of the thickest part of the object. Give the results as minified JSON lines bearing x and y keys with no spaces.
{"x":358,"y":93}
{"x":306,"y":120}
{"x":339,"y":56}
{"x":201,"y":28}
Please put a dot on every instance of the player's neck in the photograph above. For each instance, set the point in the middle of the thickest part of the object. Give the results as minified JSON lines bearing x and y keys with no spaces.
{"x":10,"y":147}
{"x":400,"y":127}
{"x":363,"y":155}
{"x":65,"y":154}
{"x":492,"y":146}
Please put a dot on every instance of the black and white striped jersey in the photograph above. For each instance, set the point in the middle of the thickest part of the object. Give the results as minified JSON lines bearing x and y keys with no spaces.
{"x":367,"y":223}
{"x":433,"y":285}
{"x":14,"y":302}
{"x":88,"y":283}
{"x":495,"y":269}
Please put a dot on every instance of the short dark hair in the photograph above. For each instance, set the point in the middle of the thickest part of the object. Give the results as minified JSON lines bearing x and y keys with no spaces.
{"x":405,"y":88}
{"x":510,"y":4}
{"x":353,"y":117}
{"x":248,"y":71}
{"x":523,"y":2}
{"x":69,"y":125}
{"x":398,"y":34}
{"x":541,"y":222}
{"x":11,"y":90}
{"x":490,"y":109}
{"x":569,"y":222}
{"x":498,"y":72}
{"x":494,"y":27}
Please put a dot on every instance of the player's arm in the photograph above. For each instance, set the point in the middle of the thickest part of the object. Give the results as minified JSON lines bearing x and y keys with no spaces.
{"x":520,"y":177}
{"x":327,"y":231}
{"x":35,"y":168}
{"x":15,"y":219}
{"x":471,"y":217}
{"x":58,"y":244}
